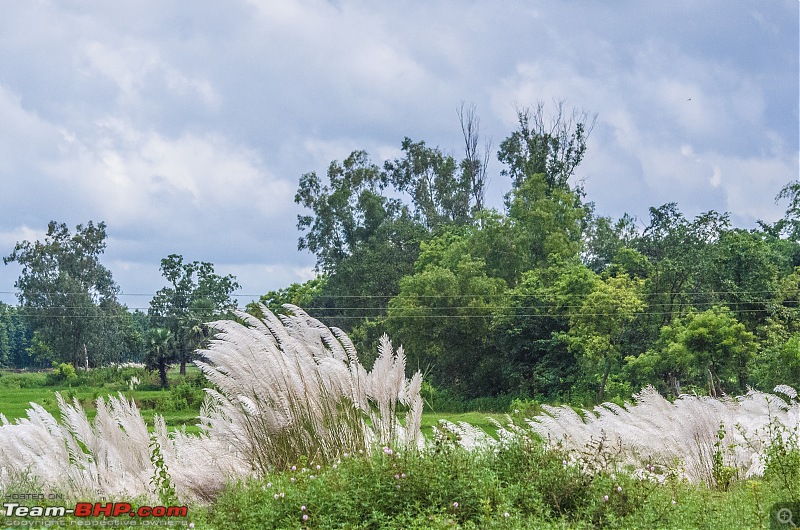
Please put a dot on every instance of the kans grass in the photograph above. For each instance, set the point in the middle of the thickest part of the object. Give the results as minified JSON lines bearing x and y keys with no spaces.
{"x":296,"y":433}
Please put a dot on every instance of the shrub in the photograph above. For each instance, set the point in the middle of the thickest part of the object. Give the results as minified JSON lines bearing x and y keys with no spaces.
{"x":62,"y":374}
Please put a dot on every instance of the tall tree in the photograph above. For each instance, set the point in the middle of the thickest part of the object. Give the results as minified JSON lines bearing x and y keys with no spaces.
{"x":195,"y":292}
{"x":67,"y":294}
{"x":475,"y":162}
{"x":551,"y":146}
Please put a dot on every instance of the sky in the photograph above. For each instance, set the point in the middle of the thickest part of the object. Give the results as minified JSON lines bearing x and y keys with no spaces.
{"x":185,"y":126}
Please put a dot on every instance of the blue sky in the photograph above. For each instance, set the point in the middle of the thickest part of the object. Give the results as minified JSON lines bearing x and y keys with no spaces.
{"x":186,"y":126}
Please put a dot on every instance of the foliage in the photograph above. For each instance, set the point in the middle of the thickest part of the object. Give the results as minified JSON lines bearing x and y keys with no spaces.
{"x":195,"y":296}
{"x":551,"y":148}
{"x":63,"y":373}
{"x":598,"y":325}
{"x":68,"y":296}
{"x":709,"y":349}
{"x":15,"y":337}
{"x":442,"y":315}
{"x":297,"y":294}
{"x":160,"y":351}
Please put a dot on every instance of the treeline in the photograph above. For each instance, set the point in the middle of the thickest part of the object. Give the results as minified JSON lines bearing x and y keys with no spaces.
{"x":545,"y":299}
{"x":68,"y":312}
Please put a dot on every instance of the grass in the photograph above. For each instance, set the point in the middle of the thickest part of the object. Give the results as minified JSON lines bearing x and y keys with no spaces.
{"x":522,"y":486}
{"x":179,"y":405}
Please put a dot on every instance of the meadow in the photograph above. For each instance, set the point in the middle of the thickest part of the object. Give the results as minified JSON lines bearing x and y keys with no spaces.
{"x":412,"y":469}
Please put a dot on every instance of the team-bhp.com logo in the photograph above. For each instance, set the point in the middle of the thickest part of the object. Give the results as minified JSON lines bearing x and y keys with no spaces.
{"x":96,"y":509}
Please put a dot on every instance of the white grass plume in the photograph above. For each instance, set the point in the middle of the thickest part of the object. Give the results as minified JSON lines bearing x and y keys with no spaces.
{"x":291,"y":386}
{"x":283,"y":388}
{"x":684,"y":433}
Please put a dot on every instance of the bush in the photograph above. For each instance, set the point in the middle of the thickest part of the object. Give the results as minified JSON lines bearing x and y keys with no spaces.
{"x":62,"y":374}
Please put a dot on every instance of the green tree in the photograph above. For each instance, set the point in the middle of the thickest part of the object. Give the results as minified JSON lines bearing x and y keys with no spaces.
{"x":196,"y":293}
{"x":440,"y":188}
{"x":67,"y":295}
{"x":15,"y":338}
{"x":299,"y":294}
{"x":442,"y":316}
{"x":160,"y":352}
{"x":709,"y":349}
{"x":681,"y":253}
{"x":528,"y":328}
{"x":547,"y":223}
{"x":552,"y":146}
{"x":600,"y":322}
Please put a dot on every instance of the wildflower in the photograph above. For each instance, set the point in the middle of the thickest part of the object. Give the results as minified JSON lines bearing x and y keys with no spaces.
{"x":319,"y":467}
{"x":305,"y":517}
{"x":191,"y":525}
{"x":294,"y":468}
{"x":397,"y":477}
{"x":619,"y":489}
{"x":334,"y":466}
{"x":516,"y":411}
{"x":302,"y":508}
{"x":291,"y":479}
{"x":605,"y":498}
{"x":346,"y":455}
{"x":269,"y":484}
{"x":455,"y":505}
{"x":402,"y":475}
{"x":674,"y":502}
{"x":506,"y":515}
{"x":276,"y":496}
{"x":282,"y":495}
{"x":303,"y":470}
{"x":311,"y":477}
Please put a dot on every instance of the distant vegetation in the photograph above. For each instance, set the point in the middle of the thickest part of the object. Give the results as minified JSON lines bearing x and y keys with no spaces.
{"x":543,"y":300}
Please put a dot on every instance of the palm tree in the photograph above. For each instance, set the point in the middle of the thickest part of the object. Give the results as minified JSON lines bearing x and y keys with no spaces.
{"x":160,"y":351}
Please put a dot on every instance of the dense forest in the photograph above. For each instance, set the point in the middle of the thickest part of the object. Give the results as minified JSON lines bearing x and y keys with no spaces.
{"x":544,"y":299}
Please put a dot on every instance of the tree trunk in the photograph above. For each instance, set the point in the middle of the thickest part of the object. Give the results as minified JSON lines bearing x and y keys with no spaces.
{"x":162,"y":373}
{"x":183,"y":361}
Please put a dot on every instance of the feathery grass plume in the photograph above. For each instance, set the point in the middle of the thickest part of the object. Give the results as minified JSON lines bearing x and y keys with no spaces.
{"x":289,"y":386}
{"x":686,"y":433}
{"x":109,"y":456}
{"x":75,"y":456}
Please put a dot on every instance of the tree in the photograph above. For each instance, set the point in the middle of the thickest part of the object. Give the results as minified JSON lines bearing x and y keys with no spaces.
{"x":67,"y":294}
{"x":440,"y":194}
{"x":474,"y":164}
{"x":15,"y":338}
{"x":553,"y":148}
{"x":527,"y":329}
{"x":600,"y":322}
{"x":708,"y":349}
{"x":681,"y":253}
{"x":789,"y":225}
{"x":298,"y":294}
{"x":196,"y":293}
{"x":160,"y":352}
{"x":547,"y":224}
{"x":442,"y":316}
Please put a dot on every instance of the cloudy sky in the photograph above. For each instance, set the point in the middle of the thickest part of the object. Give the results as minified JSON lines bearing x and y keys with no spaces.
{"x":185,"y":126}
